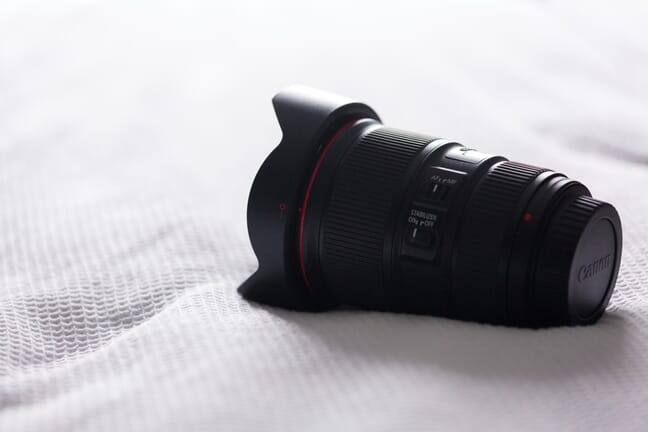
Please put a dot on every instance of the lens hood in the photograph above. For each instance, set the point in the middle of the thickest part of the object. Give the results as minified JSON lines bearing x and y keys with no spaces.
{"x":309,"y":120}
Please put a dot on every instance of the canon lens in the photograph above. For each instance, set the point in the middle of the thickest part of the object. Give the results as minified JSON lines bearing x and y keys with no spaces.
{"x":348,"y":211}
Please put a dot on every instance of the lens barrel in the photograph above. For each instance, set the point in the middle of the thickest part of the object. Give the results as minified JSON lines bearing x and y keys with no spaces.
{"x":348,"y":211}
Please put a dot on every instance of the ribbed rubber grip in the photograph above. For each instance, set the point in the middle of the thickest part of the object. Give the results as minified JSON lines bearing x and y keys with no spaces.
{"x":356,"y":218}
{"x":479,"y":291}
{"x":568,"y":230}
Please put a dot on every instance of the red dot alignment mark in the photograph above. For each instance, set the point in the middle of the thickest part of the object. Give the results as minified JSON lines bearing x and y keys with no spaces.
{"x":282,"y":209}
{"x":527,"y":217}
{"x":304,"y":207}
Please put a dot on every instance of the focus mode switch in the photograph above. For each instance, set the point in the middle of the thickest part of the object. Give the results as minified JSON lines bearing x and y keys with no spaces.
{"x":436,"y":185}
{"x":432,"y":191}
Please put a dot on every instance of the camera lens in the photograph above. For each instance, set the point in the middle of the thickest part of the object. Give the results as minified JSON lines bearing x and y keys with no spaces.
{"x":348,"y":211}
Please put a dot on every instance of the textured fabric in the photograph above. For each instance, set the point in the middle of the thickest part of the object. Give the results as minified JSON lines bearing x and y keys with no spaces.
{"x":129,"y":135}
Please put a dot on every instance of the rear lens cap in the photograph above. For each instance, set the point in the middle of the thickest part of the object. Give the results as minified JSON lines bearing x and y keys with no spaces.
{"x":578,"y":264}
{"x":593,"y":271}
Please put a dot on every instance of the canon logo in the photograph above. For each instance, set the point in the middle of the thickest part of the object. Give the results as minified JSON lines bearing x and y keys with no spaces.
{"x":588,"y":270}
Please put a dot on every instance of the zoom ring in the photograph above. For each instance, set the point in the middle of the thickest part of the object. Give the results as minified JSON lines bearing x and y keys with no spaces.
{"x":479,"y":290}
{"x":356,"y":219}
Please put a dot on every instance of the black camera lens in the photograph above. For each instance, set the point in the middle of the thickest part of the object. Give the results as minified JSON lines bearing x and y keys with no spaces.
{"x":348,"y":211}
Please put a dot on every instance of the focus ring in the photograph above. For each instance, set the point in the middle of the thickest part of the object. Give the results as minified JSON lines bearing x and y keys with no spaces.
{"x":355,"y":221}
{"x":479,"y":290}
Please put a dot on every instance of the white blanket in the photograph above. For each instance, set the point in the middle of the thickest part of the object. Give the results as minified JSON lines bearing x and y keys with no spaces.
{"x":130,"y":133}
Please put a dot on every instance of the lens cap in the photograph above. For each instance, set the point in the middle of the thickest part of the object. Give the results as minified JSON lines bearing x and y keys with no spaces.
{"x":579,"y":261}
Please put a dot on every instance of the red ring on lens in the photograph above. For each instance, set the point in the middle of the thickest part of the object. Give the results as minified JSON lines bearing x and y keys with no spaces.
{"x":335,"y":136}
